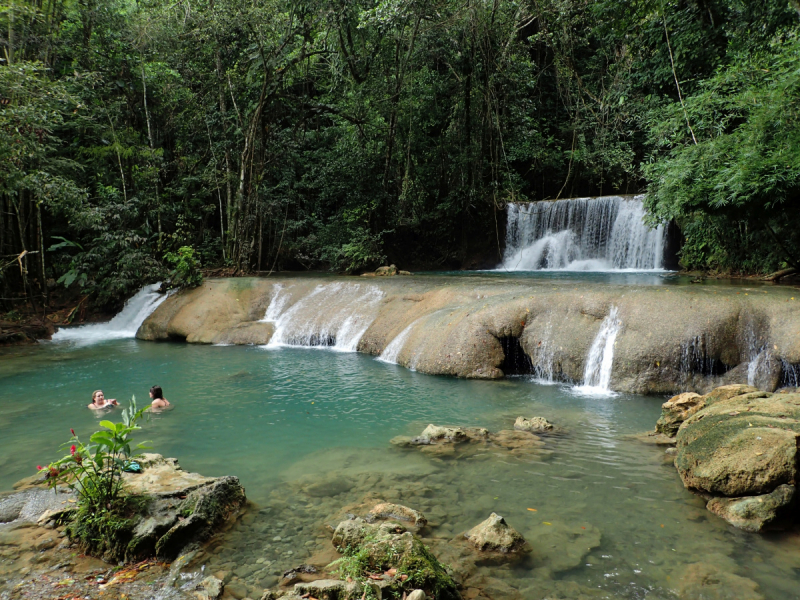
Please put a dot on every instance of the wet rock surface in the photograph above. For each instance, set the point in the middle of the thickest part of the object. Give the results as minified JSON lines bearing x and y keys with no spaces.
{"x":740,"y":451}
{"x":495,"y":535}
{"x":533,"y":425}
{"x":460,"y":442}
{"x":702,"y":338}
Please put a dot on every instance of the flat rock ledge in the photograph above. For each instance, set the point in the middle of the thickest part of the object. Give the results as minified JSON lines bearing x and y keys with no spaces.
{"x":495,"y":535}
{"x":737,"y":447}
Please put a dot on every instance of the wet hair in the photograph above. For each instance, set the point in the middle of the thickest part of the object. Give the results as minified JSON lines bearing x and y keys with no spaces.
{"x":94,"y":395}
{"x":158,"y":394}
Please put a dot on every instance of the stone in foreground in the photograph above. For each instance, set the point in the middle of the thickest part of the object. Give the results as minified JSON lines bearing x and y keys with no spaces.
{"x":495,"y":535}
{"x":740,"y":452}
{"x":387,"y":548}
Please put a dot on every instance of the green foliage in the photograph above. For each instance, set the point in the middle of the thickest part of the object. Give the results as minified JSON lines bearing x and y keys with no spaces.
{"x":416,"y":567}
{"x":185,"y":268}
{"x":737,"y":190}
{"x":102,"y":523}
{"x":94,"y":469}
{"x":317,"y":135}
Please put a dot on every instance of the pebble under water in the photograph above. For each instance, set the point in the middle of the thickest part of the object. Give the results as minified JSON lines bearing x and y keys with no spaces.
{"x":307,"y":432}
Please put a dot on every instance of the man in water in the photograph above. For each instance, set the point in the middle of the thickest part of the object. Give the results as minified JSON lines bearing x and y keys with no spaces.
{"x":99,"y":401}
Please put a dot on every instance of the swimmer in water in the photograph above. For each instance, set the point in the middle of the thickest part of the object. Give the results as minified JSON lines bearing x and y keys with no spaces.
{"x":158,"y":397}
{"x":99,"y":401}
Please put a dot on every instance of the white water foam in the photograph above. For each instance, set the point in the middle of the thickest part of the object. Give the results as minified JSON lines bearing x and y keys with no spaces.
{"x":123,"y":325}
{"x":597,"y":372}
{"x":391,"y":353}
{"x":276,"y":305}
{"x":582,"y":234}
{"x":333,"y":316}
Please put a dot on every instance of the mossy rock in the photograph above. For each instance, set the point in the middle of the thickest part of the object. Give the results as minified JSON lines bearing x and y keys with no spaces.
{"x":371,"y":548}
{"x":745,"y":445}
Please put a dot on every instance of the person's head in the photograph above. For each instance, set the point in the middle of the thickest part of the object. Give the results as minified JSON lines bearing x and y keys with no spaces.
{"x":156,"y":393}
{"x":98,"y":397}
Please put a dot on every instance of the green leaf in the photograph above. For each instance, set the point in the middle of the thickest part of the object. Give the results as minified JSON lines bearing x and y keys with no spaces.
{"x":108,"y":425}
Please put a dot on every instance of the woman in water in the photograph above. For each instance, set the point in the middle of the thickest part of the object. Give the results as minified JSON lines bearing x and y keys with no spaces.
{"x":99,"y":401}
{"x":158,"y":397}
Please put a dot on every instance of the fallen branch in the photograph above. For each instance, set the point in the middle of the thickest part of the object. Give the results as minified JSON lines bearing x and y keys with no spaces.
{"x":777,"y":275}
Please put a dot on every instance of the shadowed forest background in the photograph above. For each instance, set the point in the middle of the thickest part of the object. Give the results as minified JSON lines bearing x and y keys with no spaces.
{"x":342,"y":134}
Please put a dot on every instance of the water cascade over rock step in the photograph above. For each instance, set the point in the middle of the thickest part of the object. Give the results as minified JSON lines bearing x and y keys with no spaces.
{"x":649,"y":339}
{"x":582,"y":234}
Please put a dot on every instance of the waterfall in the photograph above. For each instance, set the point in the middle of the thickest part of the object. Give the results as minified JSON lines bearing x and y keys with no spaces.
{"x":333,"y":315}
{"x":123,"y":325}
{"x":583,"y":234}
{"x":597,"y":372}
{"x":276,"y":305}
{"x":391,"y":353}
{"x":543,"y":358}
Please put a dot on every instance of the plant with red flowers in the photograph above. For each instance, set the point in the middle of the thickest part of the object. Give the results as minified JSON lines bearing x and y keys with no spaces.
{"x":94,"y":470}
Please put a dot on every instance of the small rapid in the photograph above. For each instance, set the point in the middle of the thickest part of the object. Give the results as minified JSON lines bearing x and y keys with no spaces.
{"x":599,"y":363}
{"x":582,"y":234}
{"x":334,"y":316}
{"x":124,"y":325}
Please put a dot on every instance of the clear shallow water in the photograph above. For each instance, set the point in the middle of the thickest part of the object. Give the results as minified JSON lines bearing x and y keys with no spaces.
{"x":307,"y":432}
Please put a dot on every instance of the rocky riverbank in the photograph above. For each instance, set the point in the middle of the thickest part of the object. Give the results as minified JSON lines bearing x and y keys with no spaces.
{"x":737,"y":447}
{"x":670,"y":338}
{"x":178,"y":512}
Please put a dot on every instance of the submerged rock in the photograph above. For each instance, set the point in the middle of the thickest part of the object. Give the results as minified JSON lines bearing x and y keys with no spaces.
{"x":704,"y":581}
{"x":754,"y":513}
{"x":495,"y":535}
{"x":534,"y":424}
{"x":741,"y":453}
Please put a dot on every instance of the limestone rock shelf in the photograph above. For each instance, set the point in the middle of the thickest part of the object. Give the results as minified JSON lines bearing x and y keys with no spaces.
{"x":672,"y":338}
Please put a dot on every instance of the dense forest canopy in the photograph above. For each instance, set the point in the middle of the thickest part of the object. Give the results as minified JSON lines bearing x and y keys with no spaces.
{"x":338,"y":134}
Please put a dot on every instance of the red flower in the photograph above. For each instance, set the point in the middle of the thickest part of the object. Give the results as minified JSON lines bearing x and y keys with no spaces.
{"x":72,"y":431}
{"x":72,"y":449}
{"x":53,"y":472}
{"x":38,"y":467}
{"x":78,"y":459}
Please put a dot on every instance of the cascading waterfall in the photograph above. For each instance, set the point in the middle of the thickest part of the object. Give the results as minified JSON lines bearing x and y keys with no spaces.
{"x":123,"y":325}
{"x":543,"y":358}
{"x":392,"y":351}
{"x":333,"y":315}
{"x":597,"y":372}
{"x":583,"y":234}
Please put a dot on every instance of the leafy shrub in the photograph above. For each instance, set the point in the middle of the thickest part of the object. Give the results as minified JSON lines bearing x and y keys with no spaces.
{"x":94,"y":472}
{"x":186,"y":268}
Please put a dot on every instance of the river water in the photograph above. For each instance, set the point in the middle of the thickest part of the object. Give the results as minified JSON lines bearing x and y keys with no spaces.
{"x":307,"y":431}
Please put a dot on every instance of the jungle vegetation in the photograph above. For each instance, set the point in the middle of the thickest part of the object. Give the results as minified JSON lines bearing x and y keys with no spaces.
{"x":341,"y":134}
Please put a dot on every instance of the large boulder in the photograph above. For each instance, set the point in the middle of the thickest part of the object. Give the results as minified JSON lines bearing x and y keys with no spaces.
{"x":495,"y":535}
{"x":741,"y":453}
{"x":171,"y":509}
